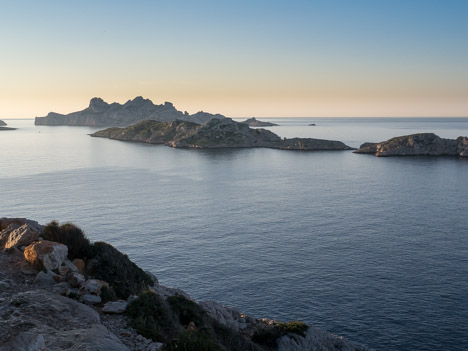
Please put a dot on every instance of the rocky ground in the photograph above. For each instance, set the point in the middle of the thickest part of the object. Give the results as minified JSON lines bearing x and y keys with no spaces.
{"x":48,"y":302}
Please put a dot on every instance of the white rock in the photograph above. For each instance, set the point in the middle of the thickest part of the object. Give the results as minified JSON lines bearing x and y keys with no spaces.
{"x":44,"y":279}
{"x":75,"y":279}
{"x":22,"y":236}
{"x":47,"y":253}
{"x":93,"y":286}
{"x":115,"y":307}
{"x":90,"y":299}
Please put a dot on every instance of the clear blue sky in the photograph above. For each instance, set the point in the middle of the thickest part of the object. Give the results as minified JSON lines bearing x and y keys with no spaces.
{"x":238,"y":58}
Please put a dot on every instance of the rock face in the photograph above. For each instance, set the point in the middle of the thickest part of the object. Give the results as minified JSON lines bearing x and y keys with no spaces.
{"x":16,"y":232}
{"x":252,"y":122}
{"x":47,"y":254}
{"x":217,"y":133}
{"x":100,"y":113}
{"x":423,"y":144}
{"x":34,"y":320}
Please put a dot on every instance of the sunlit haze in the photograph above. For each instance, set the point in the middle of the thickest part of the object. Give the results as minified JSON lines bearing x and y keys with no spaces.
{"x":238,"y":58}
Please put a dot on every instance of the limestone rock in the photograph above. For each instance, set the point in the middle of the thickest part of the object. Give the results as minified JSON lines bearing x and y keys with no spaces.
{"x":423,"y":144}
{"x":47,"y":254}
{"x":44,"y":279}
{"x":90,"y":299}
{"x":93,"y":286}
{"x":28,"y":341}
{"x":22,"y":236}
{"x":76,"y":279}
{"x":100,"y":113}
{"x":227,"y":316}
{"x":216,"y":133}
{"x":115,"y":307}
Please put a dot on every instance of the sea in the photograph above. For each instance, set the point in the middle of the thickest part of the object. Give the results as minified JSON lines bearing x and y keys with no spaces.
{"x":372,"y":249}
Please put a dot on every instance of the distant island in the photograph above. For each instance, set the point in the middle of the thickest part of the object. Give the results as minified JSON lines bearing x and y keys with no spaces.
{"x":253,"y":122}
{"x":217,"y":133}
{"x":2,"y":126}
{"x":422,"y":144}
{"x":100,"y":113}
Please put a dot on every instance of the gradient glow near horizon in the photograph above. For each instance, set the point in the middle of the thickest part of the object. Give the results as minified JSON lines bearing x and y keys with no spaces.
{"x":237,"y":58}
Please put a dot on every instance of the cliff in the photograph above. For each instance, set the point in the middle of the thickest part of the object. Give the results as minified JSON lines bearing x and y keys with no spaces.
{"x":423,"y":144}
{"x":58,"y":291}
{"x":253,"y":122}
{"x":100,"y":113}
{"x":217,"y":133}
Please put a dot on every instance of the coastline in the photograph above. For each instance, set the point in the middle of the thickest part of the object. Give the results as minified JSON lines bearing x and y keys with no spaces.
{"x":53,"y":280}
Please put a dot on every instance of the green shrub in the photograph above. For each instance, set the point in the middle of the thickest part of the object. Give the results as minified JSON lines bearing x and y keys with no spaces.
{"x":114,"y":267}
{"x":151,"y":317}
{"x":70,"y":235}
{"x":269,"y":336}
{"x":187,"y":310}
{"x":194,"y":340}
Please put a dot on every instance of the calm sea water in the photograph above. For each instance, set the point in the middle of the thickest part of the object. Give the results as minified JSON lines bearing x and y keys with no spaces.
{"x":374,"y":249}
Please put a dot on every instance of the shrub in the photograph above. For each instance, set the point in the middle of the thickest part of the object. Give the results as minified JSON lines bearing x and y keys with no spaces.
{"x":269,"y":336}
{"x":151,"y":317}
{"x":114,"y":267}
{"x":194,"y":340}
{"x":70,"y":235}
{"x":187,"y":310}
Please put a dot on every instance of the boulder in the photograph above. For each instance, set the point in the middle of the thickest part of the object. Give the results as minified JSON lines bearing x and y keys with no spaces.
{"x":93,"y":286}
{"x":90,"y":299}
{"x":21,"y":236}
{"x":47,"y":254}
{"x":76,"y":279}
{"x":44,"y":279}
{"x":115,"y":307}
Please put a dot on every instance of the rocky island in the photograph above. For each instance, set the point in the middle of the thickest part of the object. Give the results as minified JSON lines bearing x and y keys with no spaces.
{"x":217,"y":133}
{"x":253,"y":122}
{"x":100,"y":113}
{"x":3,"y":126}
{"x":422,"y":144}
{"x":59,"y":291}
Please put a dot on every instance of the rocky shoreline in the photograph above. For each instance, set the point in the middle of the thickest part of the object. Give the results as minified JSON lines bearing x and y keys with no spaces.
{"x":216,"y":133}
{"x":58,"y":291}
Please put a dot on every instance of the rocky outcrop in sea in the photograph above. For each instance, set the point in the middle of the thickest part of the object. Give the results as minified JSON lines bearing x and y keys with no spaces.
{"x":58,"y":291}
{"x":422,"y":144}
{"x":253,"y":122}
{"x":216,"y":133}
{"x":100,"y":113}
{"x":2,"y":123}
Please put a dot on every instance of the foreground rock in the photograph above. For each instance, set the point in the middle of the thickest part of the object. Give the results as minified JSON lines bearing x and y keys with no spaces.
{"x":58,"y":308}
{"x":423,"y":144}
{"x":252,"y":122}
{"x":217,"y":133}
{"x":100,"y":113}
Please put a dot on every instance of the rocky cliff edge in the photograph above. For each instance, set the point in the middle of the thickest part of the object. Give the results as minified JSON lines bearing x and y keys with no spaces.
{"x":70,"y":294}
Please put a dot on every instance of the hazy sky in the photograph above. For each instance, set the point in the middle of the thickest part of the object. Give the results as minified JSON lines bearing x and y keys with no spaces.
{"x":238,"y":58}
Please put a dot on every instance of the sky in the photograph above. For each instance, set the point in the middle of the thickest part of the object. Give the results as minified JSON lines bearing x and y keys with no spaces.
{"x":293,"y":58}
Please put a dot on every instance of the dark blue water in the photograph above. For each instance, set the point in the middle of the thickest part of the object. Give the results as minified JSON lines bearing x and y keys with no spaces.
{"x":374,"y":249}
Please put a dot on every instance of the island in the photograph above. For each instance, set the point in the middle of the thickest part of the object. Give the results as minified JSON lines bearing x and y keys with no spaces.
{"x":59,"y":291}
{"x":217,"y":133}
{"x":253,"y":122}
{"x":101,"y":114}
{"x":312,"y":125}
{"x":2,"y":126}
{"x":421,"y":144}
